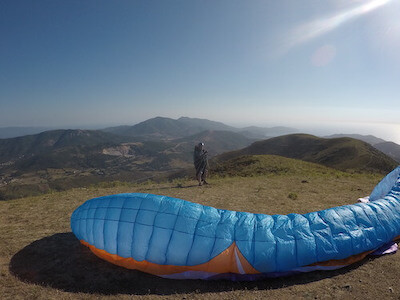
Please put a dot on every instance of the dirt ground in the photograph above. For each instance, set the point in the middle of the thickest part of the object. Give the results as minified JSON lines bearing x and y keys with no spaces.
{"x":40,"y":258}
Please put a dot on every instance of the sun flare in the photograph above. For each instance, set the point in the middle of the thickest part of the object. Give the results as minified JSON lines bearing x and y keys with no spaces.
{"x":318,"y":27}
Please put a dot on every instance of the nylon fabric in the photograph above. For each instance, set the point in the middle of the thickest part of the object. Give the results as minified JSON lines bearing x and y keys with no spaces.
{"x":152,"y":230}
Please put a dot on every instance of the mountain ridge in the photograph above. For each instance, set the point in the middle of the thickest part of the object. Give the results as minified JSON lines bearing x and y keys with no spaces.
{"x":168,"y":128}
{"x":51,"y":140}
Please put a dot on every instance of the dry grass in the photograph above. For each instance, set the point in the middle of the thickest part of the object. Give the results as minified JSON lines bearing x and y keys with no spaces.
{"x":41,"y":259}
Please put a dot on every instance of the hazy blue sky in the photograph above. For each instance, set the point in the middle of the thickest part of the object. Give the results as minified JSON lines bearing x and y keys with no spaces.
{"x":316,"y":64}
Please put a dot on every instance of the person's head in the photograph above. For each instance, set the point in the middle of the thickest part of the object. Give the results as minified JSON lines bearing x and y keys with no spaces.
{"x":200,"y":145}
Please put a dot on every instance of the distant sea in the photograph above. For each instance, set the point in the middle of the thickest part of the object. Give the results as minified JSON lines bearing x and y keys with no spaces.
{"x":387,"y":131}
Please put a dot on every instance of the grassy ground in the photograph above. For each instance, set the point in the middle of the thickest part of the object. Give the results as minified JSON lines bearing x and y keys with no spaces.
{"x":41,"y":259}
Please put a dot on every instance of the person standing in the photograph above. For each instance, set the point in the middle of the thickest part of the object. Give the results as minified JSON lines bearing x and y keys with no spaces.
{"x":200,"y":163}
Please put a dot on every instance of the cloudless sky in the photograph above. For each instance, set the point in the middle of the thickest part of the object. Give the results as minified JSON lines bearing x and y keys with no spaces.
{"x":332,"y":64}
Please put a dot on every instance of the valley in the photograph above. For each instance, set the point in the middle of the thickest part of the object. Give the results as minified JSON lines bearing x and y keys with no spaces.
{"x":161,"y":149}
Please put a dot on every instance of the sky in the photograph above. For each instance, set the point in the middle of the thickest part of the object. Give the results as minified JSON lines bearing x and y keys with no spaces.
{"x":329,"y":66}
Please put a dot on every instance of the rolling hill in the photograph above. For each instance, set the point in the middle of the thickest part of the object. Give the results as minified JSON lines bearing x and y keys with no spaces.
{"x":97,"y":149}
{"x":370,"y":139}
{"x":341,"y":153}
{"x":68,"y":158}
{"x":391,"y":149}
{"x":48,"y":141}
{"x":159,"y":148}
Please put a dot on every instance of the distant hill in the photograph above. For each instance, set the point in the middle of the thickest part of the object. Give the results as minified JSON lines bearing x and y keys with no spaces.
{"x":91,"y":148}
{"x":167,"y":128}
{"x":197,"y":125}
{"x":267,"y":132}
{"x":160,"y":147}
{"x":156,"y":128}
{"x":11,"y":132}
{"x":370,"y":139}
{"x":389,"y":148}
{"x":339,"y":153}
{"x":62,"y":158}
{"x":27,"y":146}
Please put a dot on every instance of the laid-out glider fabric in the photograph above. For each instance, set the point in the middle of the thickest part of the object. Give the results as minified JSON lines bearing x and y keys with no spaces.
{"x":175,"y":238}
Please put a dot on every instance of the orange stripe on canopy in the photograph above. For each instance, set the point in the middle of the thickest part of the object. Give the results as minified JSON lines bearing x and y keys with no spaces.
{"x":225,"y":262}
{"x":343,"y":262}
{"x":230,"y":260}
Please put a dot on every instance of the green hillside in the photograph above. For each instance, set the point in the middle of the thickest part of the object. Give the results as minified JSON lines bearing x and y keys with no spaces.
{"x":370,"y":139}
{"x":257,"y":165}
{"x":340,"y":153}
